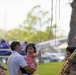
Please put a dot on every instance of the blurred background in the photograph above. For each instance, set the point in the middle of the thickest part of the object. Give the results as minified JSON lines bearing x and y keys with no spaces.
{"x":50,"y":24}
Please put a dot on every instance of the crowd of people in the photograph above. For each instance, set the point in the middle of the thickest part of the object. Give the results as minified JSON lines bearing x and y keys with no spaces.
{"x":4,"y":44}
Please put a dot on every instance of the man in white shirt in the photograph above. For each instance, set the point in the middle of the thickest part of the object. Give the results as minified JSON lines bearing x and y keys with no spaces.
{"x":15,"y":60}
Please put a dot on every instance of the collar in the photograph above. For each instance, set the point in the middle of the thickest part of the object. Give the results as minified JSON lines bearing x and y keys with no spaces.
{"x":15,"y":52}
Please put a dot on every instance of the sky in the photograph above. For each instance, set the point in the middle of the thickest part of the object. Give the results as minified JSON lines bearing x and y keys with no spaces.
{"x":14,"y":12}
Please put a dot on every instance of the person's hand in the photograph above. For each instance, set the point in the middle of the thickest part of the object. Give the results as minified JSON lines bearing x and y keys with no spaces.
{"x":39,"y":53}
{"x":5,"y":69}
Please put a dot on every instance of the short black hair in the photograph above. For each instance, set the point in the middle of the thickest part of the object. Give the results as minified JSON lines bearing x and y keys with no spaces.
{"x":14,"y":44}
{"x":70,"y":49}
{"x":31,"y":45}
{"x":2,"y":41}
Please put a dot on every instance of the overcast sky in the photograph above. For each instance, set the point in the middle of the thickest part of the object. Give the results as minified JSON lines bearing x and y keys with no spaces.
{"x":13,"y":12}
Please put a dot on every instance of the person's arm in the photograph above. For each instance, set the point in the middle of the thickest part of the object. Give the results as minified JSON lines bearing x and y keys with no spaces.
{"x":28,"y":69}
{"x":37,"y":54}
{"x":3,"y":68}
{"x":22,"y":62}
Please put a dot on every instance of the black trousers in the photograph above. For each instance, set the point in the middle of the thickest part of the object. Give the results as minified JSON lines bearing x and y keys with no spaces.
{"x":23,"y":71}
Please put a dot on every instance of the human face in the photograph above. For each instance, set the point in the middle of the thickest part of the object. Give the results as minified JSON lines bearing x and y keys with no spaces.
{"x":68,"y":53}
{"x":30,"y":50}
{"x":18,"y":48}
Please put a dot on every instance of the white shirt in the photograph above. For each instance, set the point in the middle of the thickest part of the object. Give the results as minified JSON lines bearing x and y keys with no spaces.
{"x":15,"y":61}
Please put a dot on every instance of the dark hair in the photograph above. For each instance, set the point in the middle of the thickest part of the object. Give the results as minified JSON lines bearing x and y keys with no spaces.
{"x":26,"y":42}
{"x":2,"y":41}
{"x":14,"y":44}
{"x":31,"y":45}
{"x":70,"y":49}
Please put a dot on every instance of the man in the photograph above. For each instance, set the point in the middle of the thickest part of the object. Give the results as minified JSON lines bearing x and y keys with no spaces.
{"x":3,"y":44}
{"x":15,"y":60}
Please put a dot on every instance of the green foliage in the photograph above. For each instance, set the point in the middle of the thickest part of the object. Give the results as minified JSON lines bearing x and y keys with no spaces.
{"x":16,"y":34}
{"x":1,"y":34}
{"x":36,"y":27}
{"x":35,"y":22}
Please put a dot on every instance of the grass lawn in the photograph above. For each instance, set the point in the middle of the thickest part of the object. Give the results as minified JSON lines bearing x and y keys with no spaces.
{"x":52,"y":68}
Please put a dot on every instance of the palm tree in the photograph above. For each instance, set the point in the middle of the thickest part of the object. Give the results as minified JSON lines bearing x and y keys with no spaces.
{"x":72,"y":32}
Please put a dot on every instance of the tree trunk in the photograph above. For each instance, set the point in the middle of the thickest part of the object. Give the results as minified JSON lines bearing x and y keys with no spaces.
{"x":72,"y":32}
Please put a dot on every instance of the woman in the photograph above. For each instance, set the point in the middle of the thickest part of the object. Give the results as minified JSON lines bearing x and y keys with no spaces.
{"x":69,"y":51}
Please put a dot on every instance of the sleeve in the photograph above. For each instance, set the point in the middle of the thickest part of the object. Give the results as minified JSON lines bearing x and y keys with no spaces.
{"x":22,"y":62}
